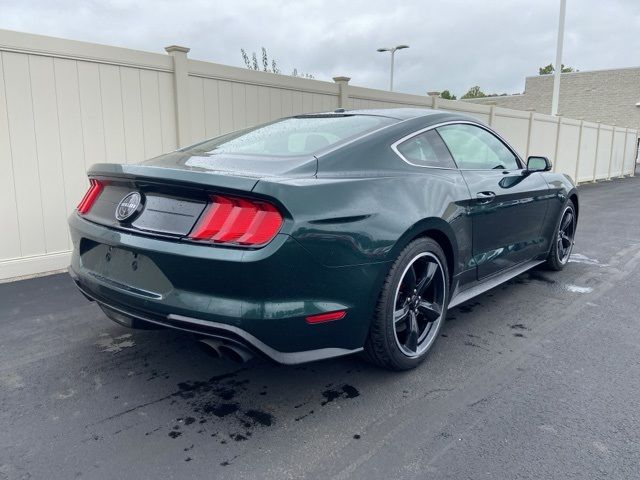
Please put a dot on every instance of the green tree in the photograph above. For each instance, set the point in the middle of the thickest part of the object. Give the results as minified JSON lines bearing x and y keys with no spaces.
{"x":549,"y":69}
{"x":252,"y":63}
{"x":446,"y":94}
{"x":474,"y":92}
{"x":267,"y":66}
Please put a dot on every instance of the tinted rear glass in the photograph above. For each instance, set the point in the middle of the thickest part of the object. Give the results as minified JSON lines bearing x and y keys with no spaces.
{"x":295,"y":136}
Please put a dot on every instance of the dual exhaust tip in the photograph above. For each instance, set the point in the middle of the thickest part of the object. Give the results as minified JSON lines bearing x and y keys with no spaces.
{"x":213,"y":346}
{"x":219,"y":349}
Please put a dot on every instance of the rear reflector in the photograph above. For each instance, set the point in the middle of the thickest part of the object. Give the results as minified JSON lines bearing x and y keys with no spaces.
{"x":90,"y":197}
{"x":326,"y":317}
{"x":238,"y":221}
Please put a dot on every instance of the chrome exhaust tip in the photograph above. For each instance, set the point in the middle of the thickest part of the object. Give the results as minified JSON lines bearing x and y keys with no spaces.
{"x":219,"y":349}
{"x":211,"y":346}
{"x":235,"y":353}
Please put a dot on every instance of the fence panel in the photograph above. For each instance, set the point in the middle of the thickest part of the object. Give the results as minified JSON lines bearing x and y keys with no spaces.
{"x":26,"y":174}
{"x":47,"y":147}
{"x":587,"y":153}
{"x":513,"y":125}
{"x":70,"y":131}
{"x":603,"y":155}
{"x":631,"y":152}
{"x":10,"y":239}
{"x":481,"y":112}
{"x":568,"y":146}
{"x":617,"y":152}
{"x":360,"y":97}
{"x":167,"y":112}
{"x":544,"y":136}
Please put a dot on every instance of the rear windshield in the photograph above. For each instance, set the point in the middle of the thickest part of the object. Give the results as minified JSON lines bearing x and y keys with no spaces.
{"x":295,"y":136}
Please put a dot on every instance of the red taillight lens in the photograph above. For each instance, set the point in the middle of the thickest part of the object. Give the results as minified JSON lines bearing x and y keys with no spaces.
{"x":237,"y":220}
{"x":90,"y":197}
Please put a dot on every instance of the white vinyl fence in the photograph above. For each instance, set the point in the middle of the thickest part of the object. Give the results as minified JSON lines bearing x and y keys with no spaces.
{"x":65,"y":105}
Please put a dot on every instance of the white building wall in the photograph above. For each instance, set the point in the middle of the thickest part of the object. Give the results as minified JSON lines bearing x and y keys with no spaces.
{"x":607,"y":96}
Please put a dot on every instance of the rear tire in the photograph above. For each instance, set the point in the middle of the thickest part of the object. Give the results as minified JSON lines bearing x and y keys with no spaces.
{"x":411,"y":308}
{"x":563,"y":239}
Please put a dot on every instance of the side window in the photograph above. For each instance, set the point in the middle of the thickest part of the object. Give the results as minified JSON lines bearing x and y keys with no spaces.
{"x":426,"y":150}
{"x":475,"y":148}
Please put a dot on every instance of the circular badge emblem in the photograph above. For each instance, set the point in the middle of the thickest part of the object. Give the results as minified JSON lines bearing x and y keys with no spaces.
{"x":128,"y":206}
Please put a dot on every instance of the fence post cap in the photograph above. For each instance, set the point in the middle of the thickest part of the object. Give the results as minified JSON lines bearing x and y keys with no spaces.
{"x":176,"y":48}
{"x":341,"y":79}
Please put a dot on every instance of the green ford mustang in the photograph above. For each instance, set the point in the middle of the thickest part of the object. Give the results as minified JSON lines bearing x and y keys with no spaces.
{"x":320,"y":235}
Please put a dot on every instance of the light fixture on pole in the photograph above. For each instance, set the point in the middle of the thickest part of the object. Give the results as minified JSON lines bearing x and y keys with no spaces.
{"x":555,"y":98}
{"x":393,"y":51}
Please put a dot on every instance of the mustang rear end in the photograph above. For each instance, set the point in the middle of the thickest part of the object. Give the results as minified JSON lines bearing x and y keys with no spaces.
{"x":203,"y":252}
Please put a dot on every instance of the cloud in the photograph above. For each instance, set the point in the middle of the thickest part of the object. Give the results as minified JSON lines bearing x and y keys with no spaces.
{"x":453,"y":44}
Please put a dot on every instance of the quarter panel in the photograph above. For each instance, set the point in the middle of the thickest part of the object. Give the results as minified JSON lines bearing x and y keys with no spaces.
{"x":351,"y":221}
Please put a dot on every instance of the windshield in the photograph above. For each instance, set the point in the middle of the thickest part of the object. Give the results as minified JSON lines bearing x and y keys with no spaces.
{"x":296,"y":136}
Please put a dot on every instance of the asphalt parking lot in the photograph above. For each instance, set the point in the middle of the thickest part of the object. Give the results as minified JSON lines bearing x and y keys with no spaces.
{"x":538,"y":378}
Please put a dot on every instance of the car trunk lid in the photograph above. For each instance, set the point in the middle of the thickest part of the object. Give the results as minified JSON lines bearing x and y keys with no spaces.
{"x":196,"y":160}
{"x":176,"y":188}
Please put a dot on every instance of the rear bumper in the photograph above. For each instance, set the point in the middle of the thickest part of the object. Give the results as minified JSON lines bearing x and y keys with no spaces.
{"x":256,"y":298}
{"x":227,"y":333}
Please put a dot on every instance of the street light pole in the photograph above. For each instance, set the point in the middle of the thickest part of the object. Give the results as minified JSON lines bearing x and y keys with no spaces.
{"x":393,"y":52}
{"x":555,"y":98}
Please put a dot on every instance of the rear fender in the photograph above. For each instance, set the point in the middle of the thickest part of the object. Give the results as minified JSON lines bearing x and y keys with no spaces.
{"x":443,"y":233}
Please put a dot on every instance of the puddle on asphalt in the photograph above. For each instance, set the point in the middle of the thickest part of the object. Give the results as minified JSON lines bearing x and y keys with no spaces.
{"x":345,"y":391}
{"x":579,"y":258}
{"x":578,"y":289}
{"x":107,"y":343}
{"x":225,"y":409}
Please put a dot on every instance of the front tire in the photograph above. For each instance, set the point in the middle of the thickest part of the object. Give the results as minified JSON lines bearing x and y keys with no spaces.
{"x":563,"y":239}
{"x":411,"y":308}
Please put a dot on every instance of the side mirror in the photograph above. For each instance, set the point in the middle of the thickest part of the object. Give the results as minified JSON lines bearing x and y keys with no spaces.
{"x":538,"y":164}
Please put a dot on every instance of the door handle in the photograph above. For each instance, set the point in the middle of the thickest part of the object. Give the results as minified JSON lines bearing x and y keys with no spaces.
{"x":485,"y":197}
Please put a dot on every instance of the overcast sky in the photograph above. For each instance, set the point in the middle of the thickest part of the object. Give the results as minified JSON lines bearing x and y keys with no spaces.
{"x":454,"y":44}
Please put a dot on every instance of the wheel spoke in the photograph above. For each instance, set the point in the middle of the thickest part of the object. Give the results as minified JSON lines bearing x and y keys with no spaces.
{"x":560,"y":248}
{"x":400,"y":314}
{"x":566,"y":240}
{"x":566,"y":221}
{"x":430,"y":310}
{"x":410,"y":280}
{"x":427,"y":278}
{"x":412,"y":333}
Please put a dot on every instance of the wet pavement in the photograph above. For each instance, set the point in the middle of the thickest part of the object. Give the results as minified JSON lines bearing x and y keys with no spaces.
{"x":538,"y":378}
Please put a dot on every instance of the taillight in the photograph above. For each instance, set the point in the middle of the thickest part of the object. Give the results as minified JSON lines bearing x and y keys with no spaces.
{"x":90,"y":197}
{"x":237,"y":221}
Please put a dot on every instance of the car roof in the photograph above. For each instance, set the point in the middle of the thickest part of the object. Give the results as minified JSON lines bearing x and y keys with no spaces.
{"x":399,"y":113}
{"x":404,"y":113}
{"x":369,"y":151}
